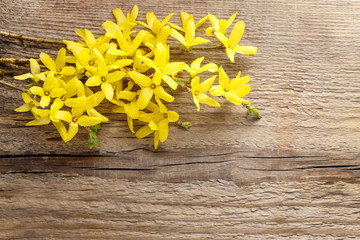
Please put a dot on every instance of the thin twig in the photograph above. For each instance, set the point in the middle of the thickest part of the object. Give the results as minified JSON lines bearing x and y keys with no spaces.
{"x":27,"y":38}
{"x":12,"y":86}
{"x":15,"y":60}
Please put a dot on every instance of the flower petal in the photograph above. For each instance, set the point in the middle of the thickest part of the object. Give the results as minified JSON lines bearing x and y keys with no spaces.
{"x":210,"y":67}
{"x":128,"y":95}
{"x":140,"y":79}
{"x":205,"y":86}
{"x":107,"y":90}
{"x":236,"y":33}
{"x":173,"y":116}
{"x":217,"y":90}
{"x":173,"y":68}
{"x":205,"y":99}
{"x":230,"y":53}
{"x":93,"y":113}
{"x":63,"y":115}
{"x":223,"y":78}
{"x":163,"y":129}
{"x":61,"y":57}
{"x":93,"y":81}
{"x":115,"y":76}
{"x":39,"y":121}
{"x":24,"y":76}
{"x":45,"y":101}
{"x":175,"y":34}
{"x":48,"y":62}
{"x":162,"y":94}
{"x":172,"y":84}
{"x":34,"y":66}
{"x":196,"y":63}
{"x":143,"y":131}
{"x":222,"y":38}
{"x":61,"y":129}
{"x":88,"y":121}
{"x":57,"y":92}
{"x":237,"y":83}
{"x":23,"y":108}
{"x":242,"y":91}
{"x":246,"y":50}
{"x":144,"y":97}
{"x":200,"y":40}
{"x":73,"y":129}
{"x":231,"y":97}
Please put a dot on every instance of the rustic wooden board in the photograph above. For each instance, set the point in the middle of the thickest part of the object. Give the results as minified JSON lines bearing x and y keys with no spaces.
{"x":292,"y":174}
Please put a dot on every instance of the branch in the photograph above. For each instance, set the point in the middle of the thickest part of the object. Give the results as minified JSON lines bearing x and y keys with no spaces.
{"x":11,"y":86}
{"x":33,"y":39}
{"x":14,"y":60}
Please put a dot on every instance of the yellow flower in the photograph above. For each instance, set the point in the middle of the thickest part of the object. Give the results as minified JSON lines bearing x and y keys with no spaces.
{"x":219,"y":25}
{"x":128,"y":47}
{"x":154,"y":24}
{"x":35,"y":74}
{"x":195,"y":68}
{"x":75,"y":118}
{"x":161,"y":63}
{"x":87,"y":103}
{"x":50,"y":89}
{"x":232,"y":90}
{"x":198,"y":91}
{"x":57,"y":66}
{"x":161,"y":37}
{"x":105,"y":79}
{"x":29,"y":105}
{"x":158,"y":123}
{"x":231,"y":43}
{"x":189,"y":28}
{"x":123,"y":23}
{"x":149,"y":87}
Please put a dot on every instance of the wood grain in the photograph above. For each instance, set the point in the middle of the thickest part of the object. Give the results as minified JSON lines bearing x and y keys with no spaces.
{"x":298,"y":166}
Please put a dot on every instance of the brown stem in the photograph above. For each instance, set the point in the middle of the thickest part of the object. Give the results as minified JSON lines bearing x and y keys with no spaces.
{"x":11,"y":86}
{"x":27,"y":38}
{"x":14,"y":60}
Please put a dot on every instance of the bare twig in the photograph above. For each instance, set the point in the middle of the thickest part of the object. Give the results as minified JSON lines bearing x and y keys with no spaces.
{"x":27,"y":38}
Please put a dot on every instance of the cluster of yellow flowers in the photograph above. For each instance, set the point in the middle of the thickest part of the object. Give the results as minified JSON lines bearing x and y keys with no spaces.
{"x":132,"y":70}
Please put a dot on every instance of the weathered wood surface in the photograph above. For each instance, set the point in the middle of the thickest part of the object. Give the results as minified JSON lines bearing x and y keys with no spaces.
{"x":292,"y":174}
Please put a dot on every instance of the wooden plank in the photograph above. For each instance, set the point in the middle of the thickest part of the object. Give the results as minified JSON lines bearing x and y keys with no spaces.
{"x":292,"y":174}
{"x":88,"y":207}
{"x":304,"y":81}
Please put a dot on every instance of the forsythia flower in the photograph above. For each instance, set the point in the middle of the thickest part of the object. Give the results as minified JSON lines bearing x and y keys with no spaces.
{"x":158,"y":123}
{"x":198,"y":91}
{"x":35,"y":74}
{"x":232,"y":90}
{"x":219,"y":25}
{"x":234,"y":38}
{"x":130,"y":67}
{"x":195,"y":68}
{"x":189,"y":28}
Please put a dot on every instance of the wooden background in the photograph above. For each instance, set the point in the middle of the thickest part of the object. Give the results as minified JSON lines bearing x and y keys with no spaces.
{"x":294,"y":174}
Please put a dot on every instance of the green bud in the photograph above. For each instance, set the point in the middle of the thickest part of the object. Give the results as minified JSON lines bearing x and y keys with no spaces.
{"x":186,"y":125}
{"x":252,"y":110}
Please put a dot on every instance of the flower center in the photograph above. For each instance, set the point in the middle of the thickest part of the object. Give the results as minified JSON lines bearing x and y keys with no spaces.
{"x":63,"y":98}
{"x":226,"y":89}
{"x":46,"y":93}
{"x":153,"y":86}
{"x":32,"y":104}
{"x":82,"y":71}
{"x":103,"y":79}
{"x":74,"y":119}
{"x":165,"y":115}
{"x":196,"y":93}
{"x":58,"y":70}
{"x":91,"y":62}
